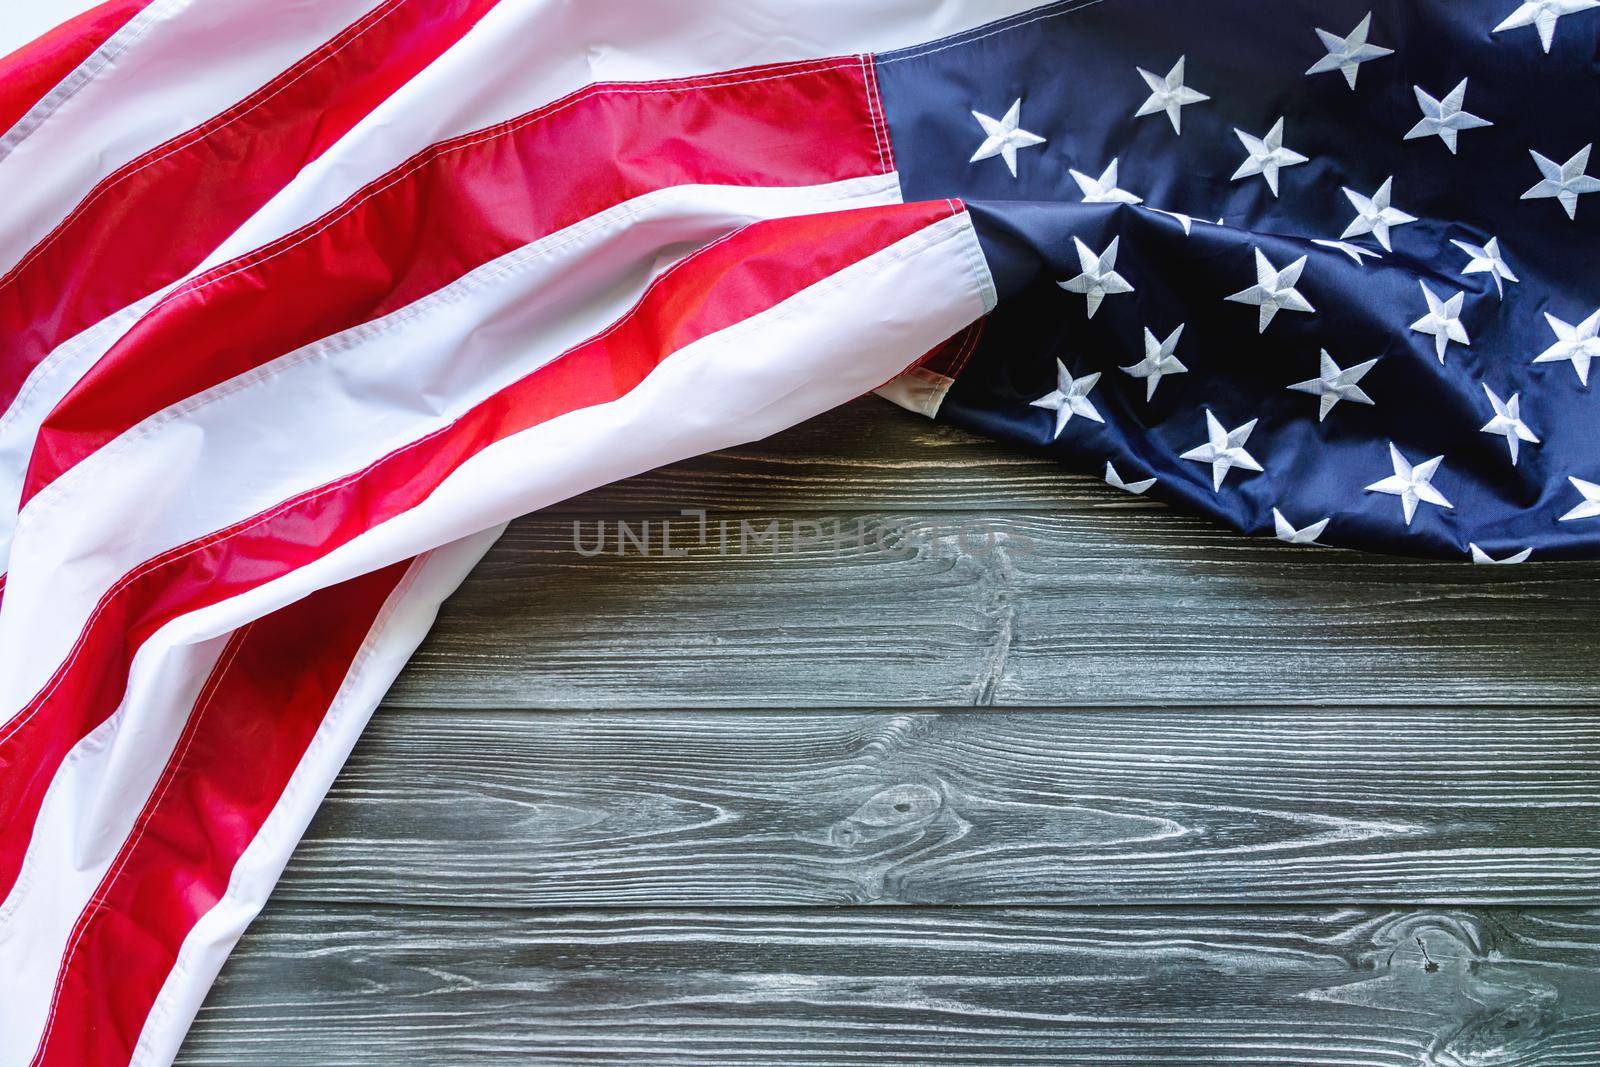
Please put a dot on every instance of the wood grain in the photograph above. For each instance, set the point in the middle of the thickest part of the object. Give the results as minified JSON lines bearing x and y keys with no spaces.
{"x":1142,"y":791}
{"x":1093,"y":608}
{"x":979,"y":986}
{"x":864,"y":456}
{"x":738,"y":809}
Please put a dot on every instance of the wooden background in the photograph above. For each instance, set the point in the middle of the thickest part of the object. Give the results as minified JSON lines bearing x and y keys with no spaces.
{"x":1123,"y":787}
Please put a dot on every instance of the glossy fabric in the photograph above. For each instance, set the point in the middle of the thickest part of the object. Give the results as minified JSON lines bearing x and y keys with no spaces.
{"x":1074,"y":66}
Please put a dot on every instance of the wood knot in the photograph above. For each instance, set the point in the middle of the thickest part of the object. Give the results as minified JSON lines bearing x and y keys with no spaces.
{"x":1495,"y":1010}
{"x":896,"y":810}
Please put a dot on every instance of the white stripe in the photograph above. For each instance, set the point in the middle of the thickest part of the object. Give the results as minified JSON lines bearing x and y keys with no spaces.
{"x":728,"y":391}
{"x":526,"y":53}
{"x":338,"y":405}
{"x":195,"y":58}
{"x":828,"y":344}
{"x":410,"y":613}
{"x":93,"y":65}
{"x":90,"y":808}
{"x":21,"y":23}
{"x":487,"y":77}
{"x":821,"y":347}
{"x":50,"y":381}
{"x":521,"y":55}
{"x":103,"y":787}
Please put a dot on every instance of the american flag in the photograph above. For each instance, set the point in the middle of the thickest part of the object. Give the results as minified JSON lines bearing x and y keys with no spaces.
{"x":303,"y":299}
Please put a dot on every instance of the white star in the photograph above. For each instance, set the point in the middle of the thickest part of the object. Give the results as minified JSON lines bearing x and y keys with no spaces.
{"x":1346,"y":54}
{"x":1103,"y":190}
{"x":1168,"y":94}
{"x":1445,"y":118}
{"x":1284,"y":530}
{"x":1002,"y":137}
{"x":1507,"y":422}
{"x":1486,"y":259}
{"x":1374,"y":214}
{"x":1411,"y":484}
{"x":1334,"y":384}
{"x":1443,"y":321}
{"x":1480,"y":556}
{"x":1544,"y":14}
{"x":1070,"y":397}
{"x":1138,"y":488}
{"x":1274,"y":290}
{"x":1099,"y":278}
{"x":1576,"y":343}
{"x":1564,"y":181}
{"x":1267,"y":156}
{"x":1590,"y":507}
{"x":1224,"y":450}
{"x":1355,"y":252}
{"x":1158,"y":360}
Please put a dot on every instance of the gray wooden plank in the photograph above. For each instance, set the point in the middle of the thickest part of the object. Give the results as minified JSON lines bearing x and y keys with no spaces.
{"x":866,"y":455}
{"x":337,"y":986}
{"x":1067,"y":807}
{"x":1094,"y":607}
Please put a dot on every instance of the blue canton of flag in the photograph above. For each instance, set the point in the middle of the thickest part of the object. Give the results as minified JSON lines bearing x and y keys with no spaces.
{"x":1327,"y":270}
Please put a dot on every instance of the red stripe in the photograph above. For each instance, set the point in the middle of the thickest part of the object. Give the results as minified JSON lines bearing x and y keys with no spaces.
{"x":30,"y":72}
{"x":461,"y":204}
{"x":725,"y":283}
{"x":160,"y":215}
{"x":248,"y":732}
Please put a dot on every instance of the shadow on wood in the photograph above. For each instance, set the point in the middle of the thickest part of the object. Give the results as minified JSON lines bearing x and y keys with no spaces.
{"x":1085,"y":604}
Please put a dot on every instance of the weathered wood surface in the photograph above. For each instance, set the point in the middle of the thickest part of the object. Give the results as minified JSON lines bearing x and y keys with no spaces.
{"x":1043,"y":588}
{"x":1266,"y":804}
{"x":1121,"y":608}
{"x":751,"y":808}
{"x":864,"y":456}
{"x":351,"y":987}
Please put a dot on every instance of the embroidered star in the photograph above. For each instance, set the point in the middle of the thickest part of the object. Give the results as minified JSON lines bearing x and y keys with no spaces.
{"x":1003,"y":136}
{"x":1486,"y":259}
{"x":1274,"y":290}
{"x":1411,"y":484}
{"x":1169,"y":94}
{"x":1334,"y":384}
{"x":1103,"y":190}
{"x":1507,"y":422}
{"x":1590,"y":507}
{"x":1480,"y":556}
{"x":1224,"y":450}
{"x":1564,"y":181}
{"x":1445,"y":118}
{"x":1159,"y":360}
{"x":1099,"y":278}
{"x":1544,"y":14}
{"x":1138,"y":488}
{"x":1576,"y":343}
{"x":1443,"y":320}
{"x":1375,"y":215}
{"x":1346,"y":54}
{"x":1284,"y":530}
{"x":1355,"y":252}
{"x":1070,"y":397}
{"x":1266,"y":156}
